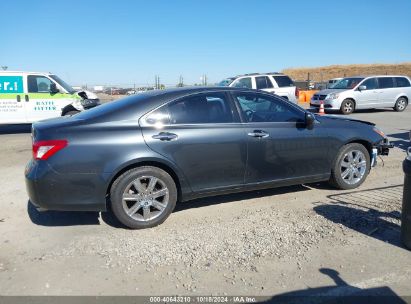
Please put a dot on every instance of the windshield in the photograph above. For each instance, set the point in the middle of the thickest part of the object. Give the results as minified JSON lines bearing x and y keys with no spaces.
{"x":65,"y":86}
{"x":225,"y":82}
{"x":346,"y":83}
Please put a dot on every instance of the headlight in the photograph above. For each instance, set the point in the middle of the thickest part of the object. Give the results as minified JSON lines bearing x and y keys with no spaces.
{"x":378,"y":131}
{"x":332,"y":96}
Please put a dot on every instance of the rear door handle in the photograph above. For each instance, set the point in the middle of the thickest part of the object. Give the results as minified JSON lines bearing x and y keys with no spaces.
{"x":259,"y":134}
{"x":26,"y":97}
{"x":18,"y":98}
{"x":165,"y":136}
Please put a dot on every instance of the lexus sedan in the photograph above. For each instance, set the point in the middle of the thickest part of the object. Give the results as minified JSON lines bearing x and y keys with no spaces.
{"x":141,"y":154}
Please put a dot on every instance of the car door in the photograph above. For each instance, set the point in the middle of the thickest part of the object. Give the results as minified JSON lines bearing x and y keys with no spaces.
{"x":265,"y":84}
{"x":368,"y":98}
{"x":387,"y":92}
{"x":40,"y":102}
{"x":280,"y":147}
{"x":202,"y":135}
{"x":11,"y":105}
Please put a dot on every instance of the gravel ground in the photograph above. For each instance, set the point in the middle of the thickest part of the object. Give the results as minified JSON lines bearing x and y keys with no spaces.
{"x":258,"y":243}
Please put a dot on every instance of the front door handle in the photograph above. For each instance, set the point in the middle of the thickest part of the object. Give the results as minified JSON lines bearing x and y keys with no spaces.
{"x":26,"y":97}
{"x":18,"y":98}
{"x":165,"y":136}
{"x":259,"y":134}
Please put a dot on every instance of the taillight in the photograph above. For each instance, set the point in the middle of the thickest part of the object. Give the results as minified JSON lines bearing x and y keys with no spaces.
{"x":45,"y":148}
{"x":297,"y":92}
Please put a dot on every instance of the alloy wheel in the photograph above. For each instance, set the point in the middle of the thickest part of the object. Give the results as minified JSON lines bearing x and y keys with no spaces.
{"x":353,"y":167}
{"x":145,"y":198}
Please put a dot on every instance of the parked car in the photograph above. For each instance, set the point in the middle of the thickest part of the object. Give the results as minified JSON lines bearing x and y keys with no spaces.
{"x":276,"y":83}
{"x":143,"y":153}
{"x":354,"y":93}
{"x":26,"y":97}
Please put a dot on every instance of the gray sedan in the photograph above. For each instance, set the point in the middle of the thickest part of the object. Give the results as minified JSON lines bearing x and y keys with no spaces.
{"x":141,"y":154}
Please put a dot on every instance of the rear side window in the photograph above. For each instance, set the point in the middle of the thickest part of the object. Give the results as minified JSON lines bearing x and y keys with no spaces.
{"x":263,"y":82}
{"x":371,"y":84}
{"x":385,"y":82}
{"x":243,"y":83}
{"x":402,"y":82}
{"x":283,"y":81}
{"x":198,"y":109}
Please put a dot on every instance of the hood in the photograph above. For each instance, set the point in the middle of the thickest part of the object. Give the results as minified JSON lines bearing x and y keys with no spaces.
{"x":87,"y":94}
{"x":342,"y":118}
{"x":329,"y":91}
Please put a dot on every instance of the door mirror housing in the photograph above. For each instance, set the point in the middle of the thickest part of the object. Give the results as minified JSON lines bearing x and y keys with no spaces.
{"x":362,"y":88}
{"x":309,"y":120}
{"x":53,"y":88}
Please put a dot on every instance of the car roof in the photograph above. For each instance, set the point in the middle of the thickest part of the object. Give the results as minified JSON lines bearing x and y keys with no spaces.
{"x":257,"y":74}
{"x":368,"y":76}
{"x":25,"y":72}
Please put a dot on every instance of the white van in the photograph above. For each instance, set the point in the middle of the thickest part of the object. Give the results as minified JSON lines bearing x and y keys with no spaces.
{"x":365,"y":92}
{"x":27,"y":97}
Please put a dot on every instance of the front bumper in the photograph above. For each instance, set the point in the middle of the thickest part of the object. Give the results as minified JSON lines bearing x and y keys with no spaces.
{"x":382,"y":148}
{"x":328,"y":104}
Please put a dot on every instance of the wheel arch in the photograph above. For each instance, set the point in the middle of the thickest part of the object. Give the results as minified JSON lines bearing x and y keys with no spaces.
{"x":177,"y":178}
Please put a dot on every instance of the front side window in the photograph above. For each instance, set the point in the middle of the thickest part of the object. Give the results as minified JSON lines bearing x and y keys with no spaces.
{"x":385,"y":82}
{"x":38,"y":84}
{"x":402,"y":82}
{"x":262,"y":108}
{"x":347,"y":83}
{"x":263,"y":82}
{"x":283,"y":81}
{"x":371,"y":84}
{"x":197,"y":109}
{"x":244,"y":83}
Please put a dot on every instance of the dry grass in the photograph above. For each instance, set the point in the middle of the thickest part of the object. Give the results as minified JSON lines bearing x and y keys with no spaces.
{"x":333,"y":71}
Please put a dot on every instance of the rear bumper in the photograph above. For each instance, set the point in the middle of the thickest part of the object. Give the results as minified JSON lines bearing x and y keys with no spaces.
{"x":50,"y":190}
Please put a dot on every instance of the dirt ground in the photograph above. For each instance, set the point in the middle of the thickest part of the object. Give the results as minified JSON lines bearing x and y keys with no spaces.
{"x":308,"y":239}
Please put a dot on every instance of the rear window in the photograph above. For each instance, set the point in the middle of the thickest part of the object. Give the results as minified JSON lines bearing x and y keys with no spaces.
{"x":283,"y":81}
{"x":385,"y":82}
{"x":402,"y":82}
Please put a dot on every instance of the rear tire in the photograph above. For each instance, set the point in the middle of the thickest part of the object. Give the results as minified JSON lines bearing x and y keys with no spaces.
{"x":347,"y":171}
{"x":401,"y":104}
{"x":135,"y":198}
{"x":347,"y":106}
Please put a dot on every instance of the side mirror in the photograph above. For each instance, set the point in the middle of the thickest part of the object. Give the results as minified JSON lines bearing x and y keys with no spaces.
{"x":53,"y":88}
{"x":309,"y":120}
{"x":362,"y":88}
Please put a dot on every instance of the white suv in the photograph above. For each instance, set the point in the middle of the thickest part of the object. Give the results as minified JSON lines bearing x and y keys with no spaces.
{"x":275,"y":83}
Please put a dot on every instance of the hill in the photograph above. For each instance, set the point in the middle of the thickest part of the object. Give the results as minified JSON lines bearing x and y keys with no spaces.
{"x":333,"y":71}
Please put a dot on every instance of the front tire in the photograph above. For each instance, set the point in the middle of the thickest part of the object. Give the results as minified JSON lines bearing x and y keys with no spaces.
{"x":351,"y":167}
{"x":143,"y":197}
{"x":400,"y":104}
{"x":347,"y":106}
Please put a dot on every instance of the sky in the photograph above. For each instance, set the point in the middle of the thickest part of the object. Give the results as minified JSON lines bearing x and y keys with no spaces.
{"x":126,"y":42}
